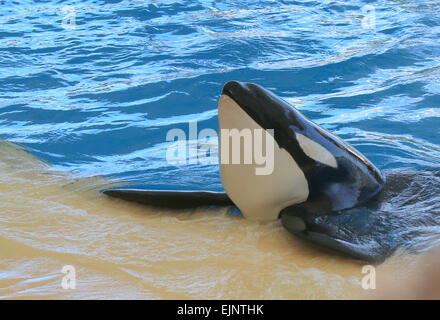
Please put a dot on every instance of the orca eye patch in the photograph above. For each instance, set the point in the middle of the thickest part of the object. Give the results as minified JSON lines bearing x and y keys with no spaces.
{"x":316,"y":151}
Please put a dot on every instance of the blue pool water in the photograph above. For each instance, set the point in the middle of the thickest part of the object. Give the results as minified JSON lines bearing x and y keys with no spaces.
{"x":92,"y":87}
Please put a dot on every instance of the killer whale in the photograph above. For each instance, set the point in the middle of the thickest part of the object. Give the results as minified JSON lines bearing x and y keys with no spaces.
{"x":316,"y":174}
{"x":331,"y":174}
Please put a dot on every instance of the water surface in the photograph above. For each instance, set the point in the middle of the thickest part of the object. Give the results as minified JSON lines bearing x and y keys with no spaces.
{"x":92,"y":101}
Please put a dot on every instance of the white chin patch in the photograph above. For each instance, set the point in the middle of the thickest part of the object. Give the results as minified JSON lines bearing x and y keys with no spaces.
{"x":260,"y":197}
{"x":315,"y":151}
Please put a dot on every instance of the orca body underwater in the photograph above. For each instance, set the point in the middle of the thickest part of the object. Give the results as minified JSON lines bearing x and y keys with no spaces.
{"x":317,"y":177}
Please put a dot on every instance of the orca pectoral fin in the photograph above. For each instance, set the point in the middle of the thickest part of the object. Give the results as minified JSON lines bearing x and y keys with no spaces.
{"x":174,"y":199}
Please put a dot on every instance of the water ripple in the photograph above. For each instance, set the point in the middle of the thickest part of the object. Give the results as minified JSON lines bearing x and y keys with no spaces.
{"x":128,"y":72}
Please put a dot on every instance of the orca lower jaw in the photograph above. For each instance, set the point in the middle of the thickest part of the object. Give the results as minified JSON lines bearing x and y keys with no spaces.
{"x":341,"y":240}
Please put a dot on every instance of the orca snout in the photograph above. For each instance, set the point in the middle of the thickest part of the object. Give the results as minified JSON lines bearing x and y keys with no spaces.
{"x":260,"y":104}
{"x":243,"y":93}
{"x":233,"y":88}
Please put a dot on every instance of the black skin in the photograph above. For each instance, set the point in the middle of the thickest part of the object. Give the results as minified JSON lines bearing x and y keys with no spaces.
{"x":171,"y":199}
{"x":354,"y":182}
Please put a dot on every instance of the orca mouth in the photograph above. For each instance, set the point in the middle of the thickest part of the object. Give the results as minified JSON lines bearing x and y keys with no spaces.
{"x":354,"y":232}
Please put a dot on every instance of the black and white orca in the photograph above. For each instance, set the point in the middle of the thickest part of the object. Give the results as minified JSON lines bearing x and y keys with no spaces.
{"x":315,"y":175}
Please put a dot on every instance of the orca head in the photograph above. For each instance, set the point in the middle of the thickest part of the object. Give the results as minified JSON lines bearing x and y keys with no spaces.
{"x":310,"y":165}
